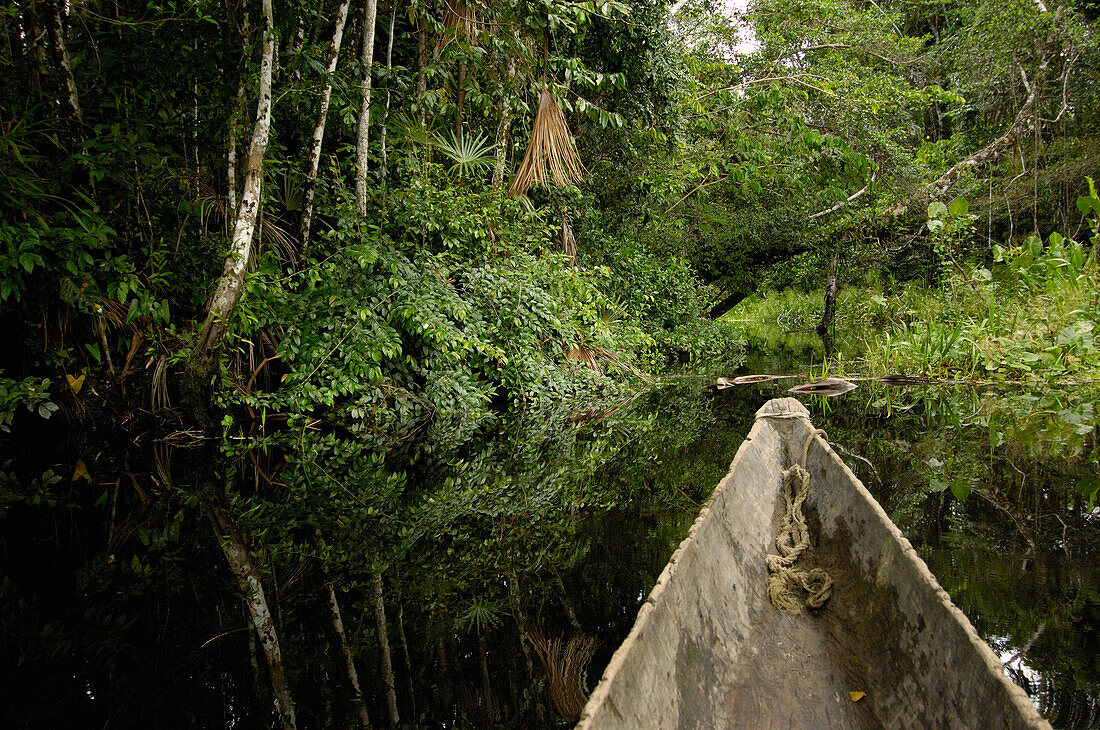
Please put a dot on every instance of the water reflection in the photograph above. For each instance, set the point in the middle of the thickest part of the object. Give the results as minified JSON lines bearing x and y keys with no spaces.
{"x":499,"y":558}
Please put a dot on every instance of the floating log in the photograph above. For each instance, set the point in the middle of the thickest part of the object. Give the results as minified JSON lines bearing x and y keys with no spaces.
{"x":748,"y":380}
{"x":825,"y":386}
{"x":888,"y":649}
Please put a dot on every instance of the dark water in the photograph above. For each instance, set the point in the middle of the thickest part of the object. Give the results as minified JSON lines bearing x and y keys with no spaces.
{"x":116,"y":607}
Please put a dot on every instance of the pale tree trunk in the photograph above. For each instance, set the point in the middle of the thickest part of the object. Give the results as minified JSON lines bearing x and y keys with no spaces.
{"x":231,"y":155}
{"x":384,"y":643}
{"x":248,"y":578}
{"x":370,"y":13}
{"x":349,"y":660}
{"x":389,"y":91}
{"x":504,"y":129}
{"x":231,"y":284}
{"x":319,"y":129}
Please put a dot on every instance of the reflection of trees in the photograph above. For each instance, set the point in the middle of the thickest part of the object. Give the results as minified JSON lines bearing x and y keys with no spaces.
{"x":1040,"y":612}
{"x":1011,"y":465}
{"x":552,"y":524}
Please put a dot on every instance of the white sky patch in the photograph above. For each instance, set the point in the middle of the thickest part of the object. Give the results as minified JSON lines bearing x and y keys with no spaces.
{"x":746,"y":39}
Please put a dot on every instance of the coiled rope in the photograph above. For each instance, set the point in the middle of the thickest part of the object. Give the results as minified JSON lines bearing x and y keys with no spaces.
{"x":792,"y":589}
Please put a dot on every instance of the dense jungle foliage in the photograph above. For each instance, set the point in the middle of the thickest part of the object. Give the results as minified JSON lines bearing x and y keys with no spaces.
{"x":311,"y":308}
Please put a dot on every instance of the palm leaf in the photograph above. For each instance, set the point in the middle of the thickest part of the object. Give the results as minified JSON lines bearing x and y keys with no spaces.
{"x":469,"y":154}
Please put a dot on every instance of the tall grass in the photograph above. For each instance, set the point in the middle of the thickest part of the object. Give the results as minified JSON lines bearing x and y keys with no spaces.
{"x":1031,"y":316}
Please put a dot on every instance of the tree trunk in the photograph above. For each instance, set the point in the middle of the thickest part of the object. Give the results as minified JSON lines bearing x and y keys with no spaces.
{"x":319,"y":129}
{"x":349,"y":660}
{"x":384,"y":643}
{"x":231,"y":283}
{"x":370,"y":13}
{"x":69,"y":92}
{"x":405,"y":652}
{"x":727,"y":303}
{"x":421,"y":64}
{"x":248,"y":578}
{"x":389,"y":90}
{"x":486,"y":687}
{"x":828,"y":317}
{"x":69,"y":95}
{"x":460,"y":98}
{"x":504,"y":129}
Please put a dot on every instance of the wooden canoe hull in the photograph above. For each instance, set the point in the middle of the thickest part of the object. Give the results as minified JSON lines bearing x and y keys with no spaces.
{"x":708,"y":650}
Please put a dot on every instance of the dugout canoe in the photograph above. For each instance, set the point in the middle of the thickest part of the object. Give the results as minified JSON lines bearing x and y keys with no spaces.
{"x":708,"y":650}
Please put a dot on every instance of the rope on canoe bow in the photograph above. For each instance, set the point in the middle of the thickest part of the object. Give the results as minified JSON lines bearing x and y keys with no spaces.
{"x":793,"y":589}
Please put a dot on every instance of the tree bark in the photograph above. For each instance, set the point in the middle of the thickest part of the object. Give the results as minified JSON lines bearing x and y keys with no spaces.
{"x":389,"y":90}
{"x":486,"y":687}
{"x":231,"y":283}
{"x":384,"y":643}
{"x":349,"y":660}
{"x":248,"y":578}
{"x":504,"y":129}
{"x":828,"y":317}
{"x":70,"y":95}
{"x":727,"y":303}
{"x":421,"y":64}
{"x":460,"y":98}
{"x":370,"y":13}
{"x":319,"y":129}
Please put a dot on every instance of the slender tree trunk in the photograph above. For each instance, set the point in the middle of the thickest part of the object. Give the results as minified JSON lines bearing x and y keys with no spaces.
{"x":319,"y":129}
{"x":486,"y":687}
{"x":504,"y":128}
{"x":240,"y":106}
{"x":460,"y":98}
{"x":825,"y":327}
{"x":370,"y":13}
{"x":69,"y":92}
{"x":69,"y":96}
{"x":254,"y":657}
{"x":231,"y":284}
{"x":384,"y":643}
{"x":421,"y":64}
{"x":405,"y":652}
{"x":389,"y":91}
{"x":349,"y":660}
{"x":248,"y":578}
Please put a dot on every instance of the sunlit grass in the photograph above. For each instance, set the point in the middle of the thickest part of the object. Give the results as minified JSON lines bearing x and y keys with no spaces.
{"x":1018,"y":322}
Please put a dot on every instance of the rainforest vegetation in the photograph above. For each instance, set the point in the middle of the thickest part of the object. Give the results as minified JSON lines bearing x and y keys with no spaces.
{"x":311,"y":308}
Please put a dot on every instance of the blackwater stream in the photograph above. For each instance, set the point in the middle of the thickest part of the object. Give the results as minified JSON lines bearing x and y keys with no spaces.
{"x":550,"y":532}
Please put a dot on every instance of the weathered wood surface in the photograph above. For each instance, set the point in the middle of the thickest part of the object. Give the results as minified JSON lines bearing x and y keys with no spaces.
{"x":709,"y":651}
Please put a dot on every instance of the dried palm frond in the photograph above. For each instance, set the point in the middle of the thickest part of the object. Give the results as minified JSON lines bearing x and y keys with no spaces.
{"x":580,"y":353}
{"x":551,"y":153}
{"x":565,"y":663}
{"x":159,"y":385}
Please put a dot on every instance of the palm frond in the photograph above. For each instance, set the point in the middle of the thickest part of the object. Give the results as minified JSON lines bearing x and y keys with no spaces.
{"x":551,"y":153}
{"x":469,"y":154}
